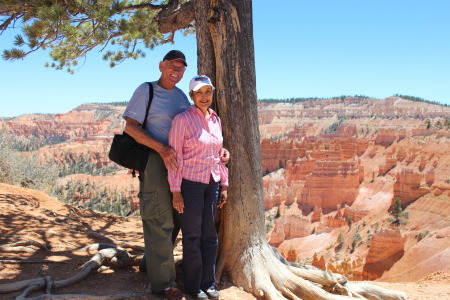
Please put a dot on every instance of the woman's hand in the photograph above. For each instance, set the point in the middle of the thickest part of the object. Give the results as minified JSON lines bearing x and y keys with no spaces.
{"x":178,"y":202}
{"x":223,"y":197}
{"x":224,"y":156}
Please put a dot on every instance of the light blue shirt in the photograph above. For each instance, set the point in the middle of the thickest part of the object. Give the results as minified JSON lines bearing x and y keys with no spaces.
{"x":166,"y":104}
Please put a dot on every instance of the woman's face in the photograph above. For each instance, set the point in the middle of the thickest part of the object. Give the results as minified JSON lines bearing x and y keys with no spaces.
{"x":202,"y":97}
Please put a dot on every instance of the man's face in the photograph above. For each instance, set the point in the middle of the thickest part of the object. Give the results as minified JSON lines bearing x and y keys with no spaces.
{"x":172,"y":71}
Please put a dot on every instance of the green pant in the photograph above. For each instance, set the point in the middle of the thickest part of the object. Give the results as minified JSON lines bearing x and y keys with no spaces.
{"x":156,"y":211}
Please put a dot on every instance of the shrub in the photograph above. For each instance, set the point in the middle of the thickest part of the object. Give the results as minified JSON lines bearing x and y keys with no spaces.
{"x":340,"y":238}
{"x":420,"y":236}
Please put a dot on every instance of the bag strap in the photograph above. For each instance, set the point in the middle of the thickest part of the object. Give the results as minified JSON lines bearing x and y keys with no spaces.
{"x":150,"y":98}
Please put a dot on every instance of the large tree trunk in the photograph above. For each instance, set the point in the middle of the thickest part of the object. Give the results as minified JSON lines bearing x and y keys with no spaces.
{"x":226,"y":54}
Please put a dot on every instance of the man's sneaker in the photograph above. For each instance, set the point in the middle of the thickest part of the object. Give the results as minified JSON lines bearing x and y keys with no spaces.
{"x":173,"y":294}
{"x":212,"y":294}
{"x":200,"y":295}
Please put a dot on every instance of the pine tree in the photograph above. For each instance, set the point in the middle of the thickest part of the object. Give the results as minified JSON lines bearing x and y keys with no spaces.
{"x":397,"y":213}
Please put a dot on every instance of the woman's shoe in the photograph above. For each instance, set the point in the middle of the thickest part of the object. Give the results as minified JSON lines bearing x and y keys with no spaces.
{"x":212,"y":294}
{"x":200,"y":295}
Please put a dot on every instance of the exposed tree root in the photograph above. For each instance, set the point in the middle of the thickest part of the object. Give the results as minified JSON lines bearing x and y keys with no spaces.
{"x":109,"y":257}
{"x":22,"y":261}
{"x":22,"y":246}
{"x":117,"y":243}
{"x":267,"y":276}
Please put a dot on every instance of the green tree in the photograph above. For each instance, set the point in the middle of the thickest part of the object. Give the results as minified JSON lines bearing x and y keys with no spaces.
{"x":349,"y":222}
{"x":397,"y":213}
{"x":341,"y":238}
{"x":224,"y":33}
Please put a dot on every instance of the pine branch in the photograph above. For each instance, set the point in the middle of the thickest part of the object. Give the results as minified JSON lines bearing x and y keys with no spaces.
{"x":13,"y":18}
{"x":174,"y":20}
{"x":146,"y":5}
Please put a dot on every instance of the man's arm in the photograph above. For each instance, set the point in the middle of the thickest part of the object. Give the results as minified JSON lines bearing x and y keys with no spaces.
{"x":135,"y":130}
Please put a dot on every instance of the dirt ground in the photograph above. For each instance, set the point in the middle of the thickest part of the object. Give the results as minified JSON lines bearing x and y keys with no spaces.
{"x":32,"y":215}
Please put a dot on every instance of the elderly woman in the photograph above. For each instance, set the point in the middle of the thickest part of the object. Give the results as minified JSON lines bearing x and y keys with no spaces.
{"x":196,"y":136}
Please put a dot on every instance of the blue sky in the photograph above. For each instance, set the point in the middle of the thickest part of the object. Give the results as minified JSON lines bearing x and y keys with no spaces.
{"x":314,"y":48}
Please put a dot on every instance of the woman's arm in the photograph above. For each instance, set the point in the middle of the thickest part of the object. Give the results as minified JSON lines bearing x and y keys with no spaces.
{"x":176,"y":140}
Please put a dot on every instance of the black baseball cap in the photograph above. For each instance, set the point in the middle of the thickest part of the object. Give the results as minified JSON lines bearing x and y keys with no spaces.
{"x":175,"y":55}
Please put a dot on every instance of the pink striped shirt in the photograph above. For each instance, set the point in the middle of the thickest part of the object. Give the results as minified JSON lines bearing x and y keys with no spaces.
{"x":198,"y":143}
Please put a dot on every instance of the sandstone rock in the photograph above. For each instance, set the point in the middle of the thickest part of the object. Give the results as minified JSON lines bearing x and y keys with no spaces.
{"x":355,"y":214}
{"x":430,"y":176}
{"x":291,"y":255}
{"x":331,"y":183}
{"x":335,"y":222}
{"x":290,"y":226}
{"x":317,"y":215}
{"x":385,"y":243}
{"x":386,"y":137}
{"x":408,"y":186}
{"x":319,"y":262}
{"x":389,"y":165}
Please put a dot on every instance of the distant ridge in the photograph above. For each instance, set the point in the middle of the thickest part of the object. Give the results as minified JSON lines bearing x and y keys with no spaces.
{"x":297,"y":100}
{"x":417,"y":99}
{"x":122,"y":103}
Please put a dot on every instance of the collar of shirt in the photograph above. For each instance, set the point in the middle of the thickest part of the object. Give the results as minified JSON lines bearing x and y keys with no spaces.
{"x":197,"y":110}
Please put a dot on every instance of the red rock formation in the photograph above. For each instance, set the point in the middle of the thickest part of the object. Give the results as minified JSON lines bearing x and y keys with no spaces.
{"x":389,"y":165}
{"x":430,"y":176}
{"x":295,"y":226}
{"x":386,"y":137}
{"x":348,"y":267}
{"x":355,"y":214}
{"x":331,"y":183}
{"x":276,"y":191}
{"x":401,"y":154}
{"x":317,"y":215}
{"x":335,"y":222}
{"x":386,"y":248}
{"x":276,"y":237}
{"x":274,"y":155}
{"x":423,"y":132}
{"x":384,"y":244}
{"x":319,"y":262}
{"x":84,"y":122}
{"x":291,"y":255}
{"x":408,"y":186}
{"x":288,"y":227}
{"x":299,"y":170}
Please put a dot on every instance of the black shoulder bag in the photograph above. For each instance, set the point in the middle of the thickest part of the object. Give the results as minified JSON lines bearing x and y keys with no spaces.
{"x":128,"y":153}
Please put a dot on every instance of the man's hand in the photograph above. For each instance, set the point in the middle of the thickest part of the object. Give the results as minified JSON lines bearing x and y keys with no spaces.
{"x":224,"y":156}
{"x":167,"y":153}
{"x":169,"y":156}
{"x":178,"y":202}
{"x":223,"y":197}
